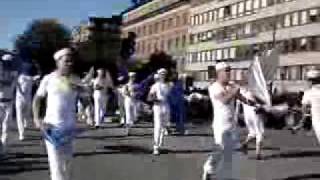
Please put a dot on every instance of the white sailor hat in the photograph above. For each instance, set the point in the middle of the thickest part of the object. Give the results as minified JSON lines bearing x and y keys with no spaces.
{"x":221,"y":66}
{"x":131,"y":74}
{"x":162,"y":71}
{"x":7,"y":57}
{"x":120,"y":78}
{"x":313,"y":74}
{"x":156,"y":76}
{"x":61,"y":52}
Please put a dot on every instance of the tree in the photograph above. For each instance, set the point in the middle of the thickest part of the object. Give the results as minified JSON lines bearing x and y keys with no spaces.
{"x":41,"y":39}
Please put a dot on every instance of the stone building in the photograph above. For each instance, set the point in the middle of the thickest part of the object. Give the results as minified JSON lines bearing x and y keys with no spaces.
{"x":230,"y":30}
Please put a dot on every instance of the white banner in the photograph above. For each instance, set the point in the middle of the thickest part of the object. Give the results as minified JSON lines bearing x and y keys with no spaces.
{"x":257,"y":83}
{"x":261,"y":71}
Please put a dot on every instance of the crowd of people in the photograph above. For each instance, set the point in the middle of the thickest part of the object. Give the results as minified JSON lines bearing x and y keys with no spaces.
{"x":69,"y":98}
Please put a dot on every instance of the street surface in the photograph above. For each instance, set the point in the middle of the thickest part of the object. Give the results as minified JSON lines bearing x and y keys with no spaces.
{"x":108,"y":154}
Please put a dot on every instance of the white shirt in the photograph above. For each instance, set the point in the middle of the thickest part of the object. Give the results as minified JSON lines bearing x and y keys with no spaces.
{"x":312,"y":97}
{"x":102,"y":82}
{"x":248,"y":95}
{"x":132,"y":88}
{"x":61,"y":100}
{"x":161,"y":90}
{"x":223,"y":112}
{"x":7,"y":91}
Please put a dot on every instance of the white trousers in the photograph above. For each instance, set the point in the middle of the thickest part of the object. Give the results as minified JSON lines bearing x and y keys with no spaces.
{"x":130,"y":106}
{"x":5,"y":117}
{"x":23,"y":114}
{"x":316,"y":128}
{"x":60,"y":161}
{"x":100,"y":100}
{"x":254,"y":123}
{"x":24,"y":103}
{"x":225,"y":161}
{"x":161,"y":117}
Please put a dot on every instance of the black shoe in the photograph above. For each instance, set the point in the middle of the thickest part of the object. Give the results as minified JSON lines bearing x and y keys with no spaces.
{"x":259,"y":157}
{"x":293,"y":131}
{"x":96,"y":127}
{"x":244,"y":149}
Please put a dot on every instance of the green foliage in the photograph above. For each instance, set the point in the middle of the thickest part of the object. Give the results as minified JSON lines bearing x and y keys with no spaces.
{"x":41,"y":39}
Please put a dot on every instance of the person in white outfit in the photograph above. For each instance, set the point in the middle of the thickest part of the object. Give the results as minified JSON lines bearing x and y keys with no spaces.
{"x":159,"y":94}
{"x":311,"y":98}
{"x":8,"y":79}
{"x":100,"y":97}
{"x":60,"y":89}
{"x":253,"y":120}
{"x":24,"y":98}
{"x":130,"y":101}
{"x":223,"y":95}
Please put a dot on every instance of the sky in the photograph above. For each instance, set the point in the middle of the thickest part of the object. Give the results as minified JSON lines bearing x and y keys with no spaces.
{"x":15,"y":15}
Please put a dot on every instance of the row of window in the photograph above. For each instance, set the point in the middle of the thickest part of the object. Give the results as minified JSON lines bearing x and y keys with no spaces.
{"x":147,"y":47}
{"x":289,"y":73}
{"x":247,"y":51}
{"x":246,"y":7}
{"x":162,"y":25}
{"x":250,"y":29}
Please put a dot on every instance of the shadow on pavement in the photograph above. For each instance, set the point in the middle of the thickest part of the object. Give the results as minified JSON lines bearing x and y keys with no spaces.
{"x":20,"y":162}
{"x":303,"y":177}
{"x":293,"y":154}
{"x":129,"y":149}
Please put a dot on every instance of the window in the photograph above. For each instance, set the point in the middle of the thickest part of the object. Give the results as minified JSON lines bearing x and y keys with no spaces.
{"x":256,"y":4}
{"x":303,"y":44}
{"x":287,"y":20}
{"x":213,"y":55}
{"x":211,"y":17}
{"x":209,"y":35}
{"x":304,"y":17}
{"x":205,"y":17}
{"x":196,"y":20}
{"x":226,"y":53}
{"x":185,"y":18}
{"x":221,"y":13}
{"x":280,"y":22}
{"x":295,"y":19}
{"x":247,"y":29}
{"x":170,"y":23}
{"x":208,"y":55}
{"x":219,"y":54}
{"x":177,"y":42}
{"x":241,"y":8}
{"x":248,"y":6}
{"x":233,"y":53}
{"x":234,"y":10}
{"x":264,"y":3}
{"x":215,"y":12}
{"x":201,"y":19}
{"x":203,"y":56}
{"x":313,"y":15}
{"x":198,"y":57}
{"x":192,"y":21}
{"x":227,"y":11}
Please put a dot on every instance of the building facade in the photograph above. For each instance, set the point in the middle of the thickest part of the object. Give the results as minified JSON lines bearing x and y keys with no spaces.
{"x":99,"y":39}
{"x":230,"y":30}
{"x":160,"y":25}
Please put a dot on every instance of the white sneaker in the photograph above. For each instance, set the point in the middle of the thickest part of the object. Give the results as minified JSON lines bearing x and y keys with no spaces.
{"x":156,"y":152}
{"x":21,"y":138}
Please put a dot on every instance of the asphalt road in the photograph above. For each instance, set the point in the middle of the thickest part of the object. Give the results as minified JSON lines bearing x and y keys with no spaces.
{"x":109,"y":154}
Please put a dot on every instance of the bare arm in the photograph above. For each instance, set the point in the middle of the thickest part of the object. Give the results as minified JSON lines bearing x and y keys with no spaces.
{"x":36,"y":110}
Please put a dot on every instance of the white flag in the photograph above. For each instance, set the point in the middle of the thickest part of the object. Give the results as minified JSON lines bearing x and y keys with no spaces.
{"x":257,"y":82}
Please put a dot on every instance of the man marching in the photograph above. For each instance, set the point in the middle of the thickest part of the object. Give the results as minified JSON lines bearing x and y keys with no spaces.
{"x":311,"y":98}
{"x":26,"y":79}
{"x":130,"y":101}
{"x":223,"y":95}
{"x":8,"y":79}
{"x":158,"y":94}
{"x":60,"y":90}
{"x":253,"y":120}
